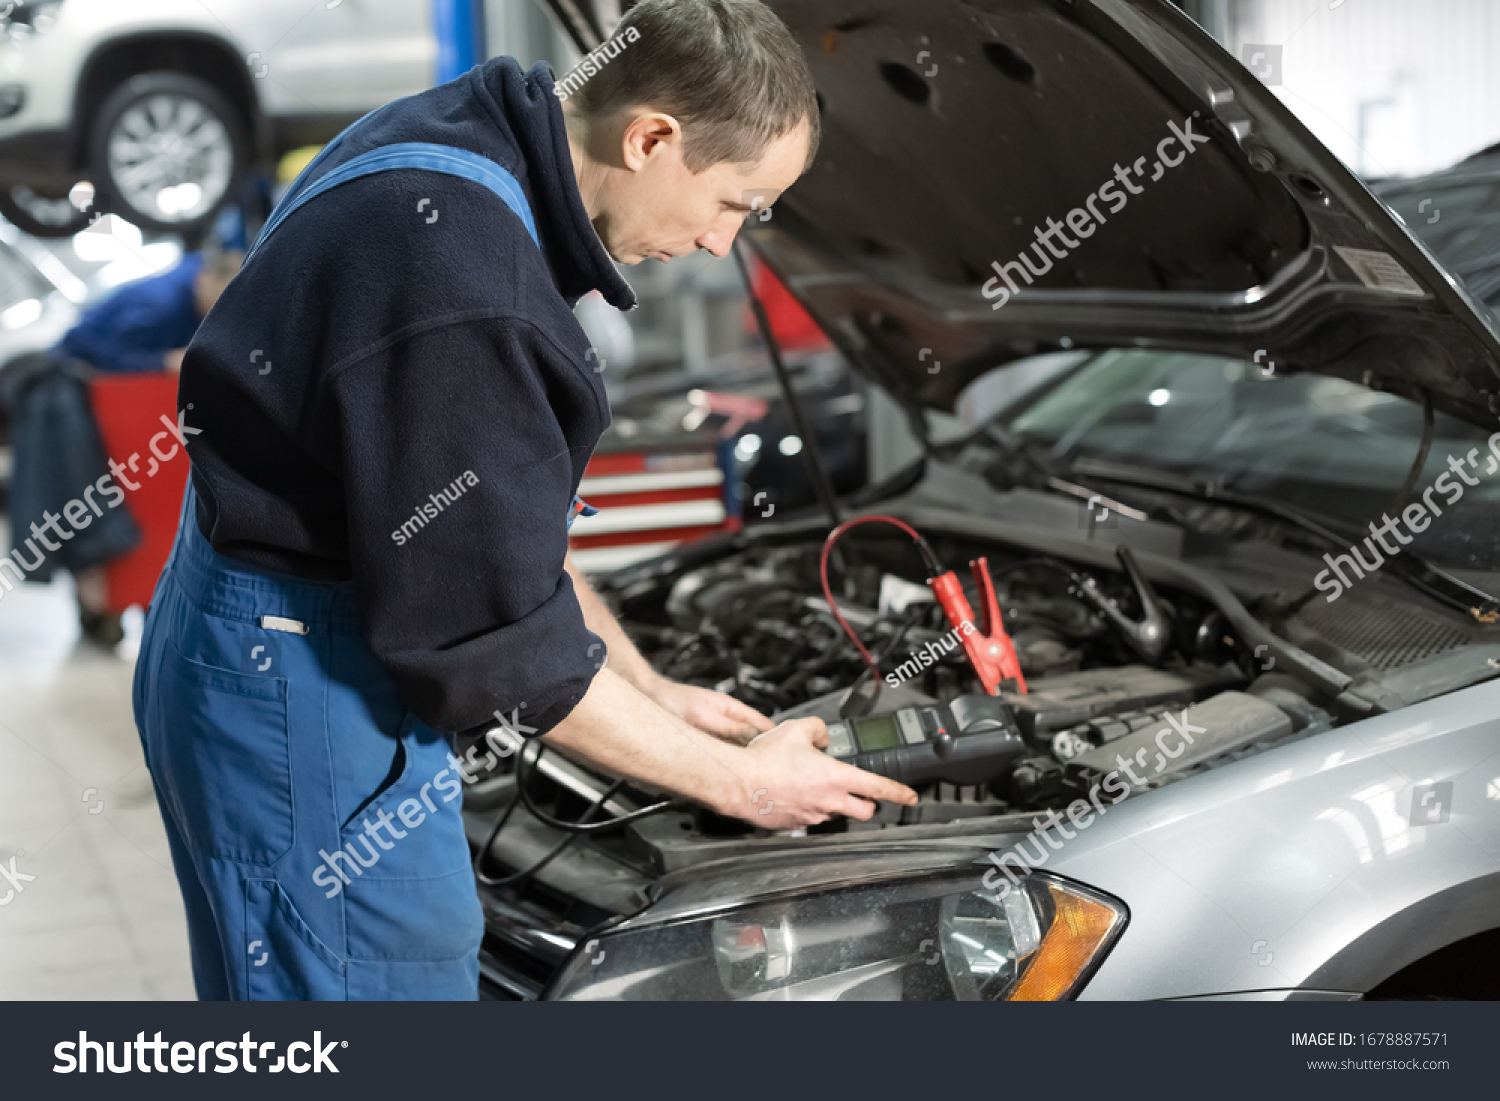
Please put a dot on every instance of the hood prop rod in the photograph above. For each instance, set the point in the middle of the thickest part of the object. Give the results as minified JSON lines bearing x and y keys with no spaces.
{"x":812,"y":458}
{"x":1149,"y":637}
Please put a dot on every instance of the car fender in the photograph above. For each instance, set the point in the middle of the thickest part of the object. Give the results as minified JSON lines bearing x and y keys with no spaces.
{"x":1302,"y":866}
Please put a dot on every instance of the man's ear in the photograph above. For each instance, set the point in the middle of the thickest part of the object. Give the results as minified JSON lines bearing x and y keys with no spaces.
{"x":649,"y":134}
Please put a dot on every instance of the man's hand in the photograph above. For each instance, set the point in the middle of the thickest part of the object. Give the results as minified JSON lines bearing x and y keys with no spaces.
{"x":779,"y":781}
{"x":725,"y":717}
{"x":796,"y":784}
{"x":173,"y":360}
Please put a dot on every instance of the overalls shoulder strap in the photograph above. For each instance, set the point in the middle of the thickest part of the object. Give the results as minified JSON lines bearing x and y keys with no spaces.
{"x":428,"y":156}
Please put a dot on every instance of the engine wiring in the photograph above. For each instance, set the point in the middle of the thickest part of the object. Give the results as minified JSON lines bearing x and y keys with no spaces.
{"x":573,"y":830}
{"x":523,"y":788}
{"x":929,"y":559}
{"x":557,"y":850}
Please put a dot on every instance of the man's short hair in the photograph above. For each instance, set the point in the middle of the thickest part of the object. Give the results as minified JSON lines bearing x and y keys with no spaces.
{"x":728,"y":71}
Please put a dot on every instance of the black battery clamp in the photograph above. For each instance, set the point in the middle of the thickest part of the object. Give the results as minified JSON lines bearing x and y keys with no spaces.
{"x":971,"y":740}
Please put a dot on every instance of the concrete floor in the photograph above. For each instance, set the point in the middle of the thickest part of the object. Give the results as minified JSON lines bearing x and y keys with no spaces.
{"x":102,"y":919}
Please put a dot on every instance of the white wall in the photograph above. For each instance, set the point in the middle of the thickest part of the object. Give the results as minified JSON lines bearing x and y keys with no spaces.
{"x":521,"y":29}
{"x":1425,"y":70}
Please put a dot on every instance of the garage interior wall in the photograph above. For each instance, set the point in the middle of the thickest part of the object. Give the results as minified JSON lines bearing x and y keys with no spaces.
{"x":1393,"y":87}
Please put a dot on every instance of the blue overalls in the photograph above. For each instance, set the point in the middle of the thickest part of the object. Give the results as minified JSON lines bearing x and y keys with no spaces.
{"x":314,"y":821}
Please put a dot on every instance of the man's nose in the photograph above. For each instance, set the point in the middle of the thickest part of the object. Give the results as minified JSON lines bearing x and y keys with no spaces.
{"x":720,"y":238}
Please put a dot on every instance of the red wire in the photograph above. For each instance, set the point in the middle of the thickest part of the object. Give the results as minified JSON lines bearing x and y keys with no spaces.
{"x":828,"y":591}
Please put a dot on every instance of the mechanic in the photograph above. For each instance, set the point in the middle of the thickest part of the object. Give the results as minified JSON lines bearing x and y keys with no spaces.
{"x":145,"y":325}
{"x":402,"y":346}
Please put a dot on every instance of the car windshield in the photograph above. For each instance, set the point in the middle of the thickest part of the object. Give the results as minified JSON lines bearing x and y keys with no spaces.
{"x":1332,"y":450}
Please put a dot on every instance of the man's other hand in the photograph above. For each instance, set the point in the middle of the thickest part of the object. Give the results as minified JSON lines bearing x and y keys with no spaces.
{"x":725,"y":717}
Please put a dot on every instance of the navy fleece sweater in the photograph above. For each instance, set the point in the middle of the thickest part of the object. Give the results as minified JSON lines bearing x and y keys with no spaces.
{"x":370,"y":356}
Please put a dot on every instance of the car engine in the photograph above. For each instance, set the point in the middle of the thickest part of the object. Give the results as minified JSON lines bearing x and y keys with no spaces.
{"x":755,"y":624}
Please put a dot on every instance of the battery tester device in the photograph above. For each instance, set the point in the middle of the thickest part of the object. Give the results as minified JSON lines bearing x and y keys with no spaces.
{"x":968,"y":741}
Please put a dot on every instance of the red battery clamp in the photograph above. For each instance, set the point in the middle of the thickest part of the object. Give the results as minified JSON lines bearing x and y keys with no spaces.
{"x":988,"y":646}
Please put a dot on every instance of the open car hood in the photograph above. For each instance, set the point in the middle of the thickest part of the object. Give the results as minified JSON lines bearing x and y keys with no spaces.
{"x":954,"y":130}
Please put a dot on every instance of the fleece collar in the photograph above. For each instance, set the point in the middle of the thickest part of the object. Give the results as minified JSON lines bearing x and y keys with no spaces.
{"x":528,"y":112}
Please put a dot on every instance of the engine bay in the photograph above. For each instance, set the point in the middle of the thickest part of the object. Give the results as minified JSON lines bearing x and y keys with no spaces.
{"x":1233,"y":663}
{"x":756,"y":625}
{"x":1110,"y":661}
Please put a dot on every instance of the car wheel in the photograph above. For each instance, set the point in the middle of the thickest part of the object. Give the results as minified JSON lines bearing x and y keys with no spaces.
{"x":167,"y":148}
{"x":41,"y":215}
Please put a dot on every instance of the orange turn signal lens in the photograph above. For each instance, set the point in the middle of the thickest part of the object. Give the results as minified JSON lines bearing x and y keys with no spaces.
{"x":1081,"y":928}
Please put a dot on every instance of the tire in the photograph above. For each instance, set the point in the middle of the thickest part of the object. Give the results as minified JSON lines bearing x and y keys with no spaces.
{"x":136,"y":149}
{"x":41,"y":215}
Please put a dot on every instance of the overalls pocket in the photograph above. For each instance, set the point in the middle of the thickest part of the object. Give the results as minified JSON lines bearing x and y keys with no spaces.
{"x":222,"y":754}
{"x":283,"y":958}
{"x":411,"y":828}
{"x":405,"y":865}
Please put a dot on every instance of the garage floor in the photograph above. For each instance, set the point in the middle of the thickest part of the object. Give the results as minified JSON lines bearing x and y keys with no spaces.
{"x":102,"y":919}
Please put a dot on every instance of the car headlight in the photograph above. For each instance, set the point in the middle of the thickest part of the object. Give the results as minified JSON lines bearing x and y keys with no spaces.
{"x":934,"y":937}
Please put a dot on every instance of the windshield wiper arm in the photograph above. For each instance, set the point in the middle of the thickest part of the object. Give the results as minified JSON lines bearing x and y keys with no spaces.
{"x":1015,"y":447}
{"x":1412,"y":567}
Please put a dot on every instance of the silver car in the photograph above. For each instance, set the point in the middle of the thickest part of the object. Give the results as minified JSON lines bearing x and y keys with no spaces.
{"x":162,"y":104}
{"x":1243,"y":534}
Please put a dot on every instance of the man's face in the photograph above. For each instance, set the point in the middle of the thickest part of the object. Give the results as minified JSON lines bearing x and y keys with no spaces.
{"x":651,"y":206}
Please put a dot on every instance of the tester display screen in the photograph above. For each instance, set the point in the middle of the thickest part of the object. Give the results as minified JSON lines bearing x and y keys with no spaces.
{"x":877,"y":732}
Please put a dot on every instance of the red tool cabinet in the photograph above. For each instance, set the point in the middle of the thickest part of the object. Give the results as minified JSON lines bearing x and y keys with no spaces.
{"x":129,"y":409}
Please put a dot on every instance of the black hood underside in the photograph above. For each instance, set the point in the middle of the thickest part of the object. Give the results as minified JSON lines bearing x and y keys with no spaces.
{"x":953,"y":131}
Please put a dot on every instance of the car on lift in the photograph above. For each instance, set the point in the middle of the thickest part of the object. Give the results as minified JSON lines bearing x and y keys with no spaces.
{"x":1243,"y":539}
{"x":161,"y":106}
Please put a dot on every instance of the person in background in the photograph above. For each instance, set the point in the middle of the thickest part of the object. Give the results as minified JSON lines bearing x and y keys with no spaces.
{"x":144,"y":325}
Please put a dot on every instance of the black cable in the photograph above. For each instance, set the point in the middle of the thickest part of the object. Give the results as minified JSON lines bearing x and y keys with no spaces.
{"x":812,"y":458}
{"x":1027,"y":563}
{"x":855,"y":704}
{"x":910,"y":622}
{"x":494,"y":833}
{"x":1425,"y":446}
{"x":546,"y":819}
{"x":527,"y":873}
